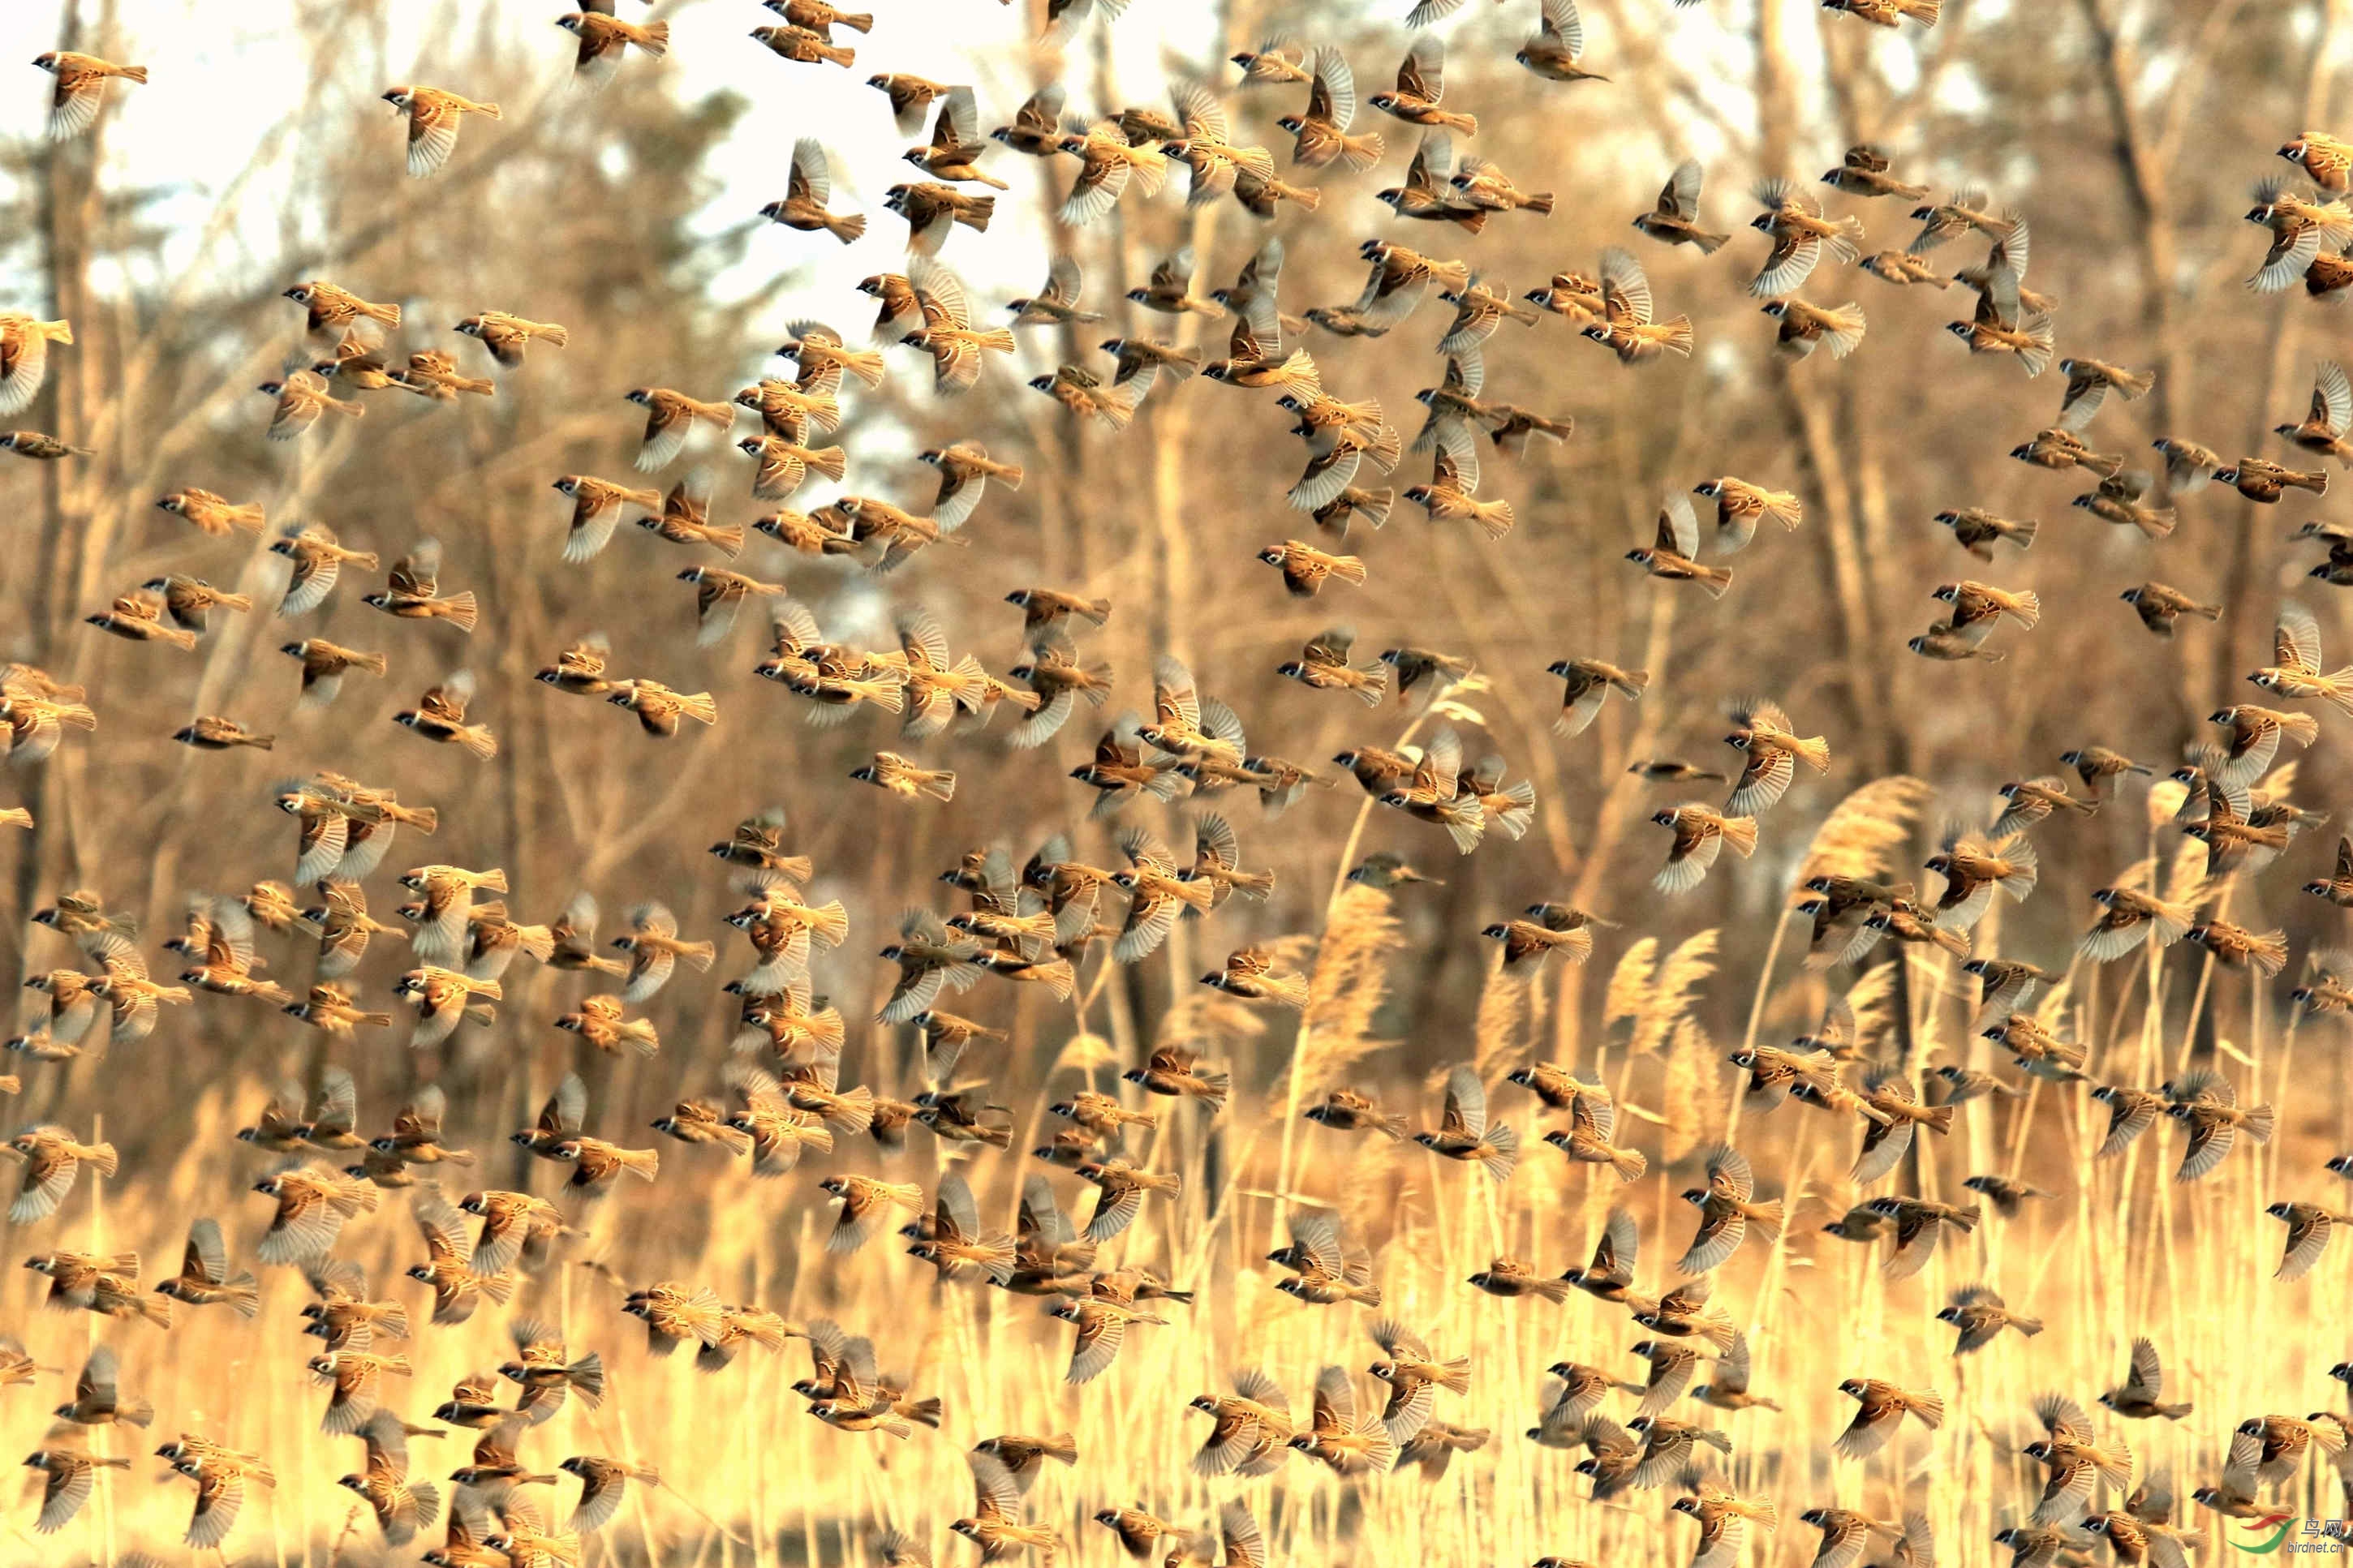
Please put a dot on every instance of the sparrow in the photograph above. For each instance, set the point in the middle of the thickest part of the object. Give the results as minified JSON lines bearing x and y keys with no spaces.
{"x":1252,"y":1428}
{"x":2295,"y":671}
{"x":604,"y":1485}
{"x":97,"y":1400}
{"x":2030,"y":801}
{"x":1201,"y":137}
{"x":1527,"y":942}
{"x":1729,"y":1390}
{"x":1082,"y":392}
{"x":1726,"y":1211}
{"x":1669,"y":1447}
{"x":1136,"y":1528}
{"x":2299,"y":230}
{"x":1280,"y":60}
{"x":2100,"y":768}
{"x":318,"y":563}
{"x":901,"y":777}
{"x":335,"y":315}
{"x":2255,"y":736}
{"x":1685,"y":1311}
{"x":1904,"y":268}
{"x":1349,"y":1444}
{"x":2141,"y":1396}
{"x":2188,"y":466}
{"x":2075,"y":1461}
{"x":1918,"y":1224}
{"x":600,"y":1021}
{"x":402,"y":1506}
{"x":1250,"y":974}
{"x":1973,"y":868}
{"x":1421,"y":87}
{"x":2128,"y":918}
{"x":685,"y":519}
{"x":1764,"y":734}
{"x":1348,"y":1110}
{"x":1888,"y":13}
{"x":1102,"y":1327}
{"x":823,"y":359}
{"x":213,"y":732}
{"x":412,"y":591}
{"x":956,"y":349}
{"x":25,"y":356}
{"x":1700,"y":836}
{"x":2118,"y":498}
{"x":302,"y":398}
{"x":1587,"y":1139}
{"x":509,"y":338}
{"x":215,"y":514}
{"x":2038,"y":1050}
{"x":1674,"y":218}
{"x":2159,"y":606}
{"x":1056,"y":304}
{"x":323,"y":667}
{"x":52,"y":1158}
{"x":1740,"y":506}
{"x":1448,"y":496}
{"x":1480,"y":181}
{"x":1319,"y":133}
{"x":2308,"y":1228}
{"x":1806,"y":327}
{"x":1863,"y":171}
{"x":2059,"y":449}
{"x":1177,"y":1071}
{"x":1108,"y":162}
{"x":81,"y":93}
{"x":1801,"y":232}
{"x":71,"y":1473}
{"x":2089,"y":382}
{"x":1672,"y":556}
{"x":1626,"y":326}
{"x":955,"y":146}
{"x":1553,"y":50}
{"x":2337,"y":887}
{"x":2002,"y":323}
{"x":204,"y":1277}
{"x":434,"y":116}
{"x":312,"y":1202}
{"x":138,"y":616}
{"x":2007,"y":1197}
{"x":1978,"y":608}
{"x":2233,"y":843}
{"x":440,"y":715}
{"x":433,"y":373}
{"x":1980,"y":1315}
{"x":2324,"y":157}
{"x":1463,"y":1132}
{"x":912,"y":96}
{"x":604,"y":39}
{"x":2209,"y":1106}
{"x":932,"y":211}
{"x":807,"y":195}
{"x":670,"y":416}
{"x":2265,"y":482}
{"x":1414,"y":1378}
{"x":1589,"y":683}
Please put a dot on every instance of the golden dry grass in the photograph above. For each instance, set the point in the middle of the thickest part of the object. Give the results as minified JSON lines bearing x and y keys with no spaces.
{"x":2120,"y":1251}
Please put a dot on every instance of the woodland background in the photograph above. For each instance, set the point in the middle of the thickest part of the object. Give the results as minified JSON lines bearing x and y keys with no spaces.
{"x":2130,"y":132}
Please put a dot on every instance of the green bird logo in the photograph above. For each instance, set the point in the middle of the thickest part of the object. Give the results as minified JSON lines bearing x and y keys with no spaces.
{"x":2285,"y":1522}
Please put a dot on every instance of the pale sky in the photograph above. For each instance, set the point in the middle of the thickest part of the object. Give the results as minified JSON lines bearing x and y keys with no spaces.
{"x":216,"y":67}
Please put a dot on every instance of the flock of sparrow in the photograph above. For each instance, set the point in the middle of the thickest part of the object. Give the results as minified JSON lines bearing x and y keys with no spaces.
{"x":1037,"y":922}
